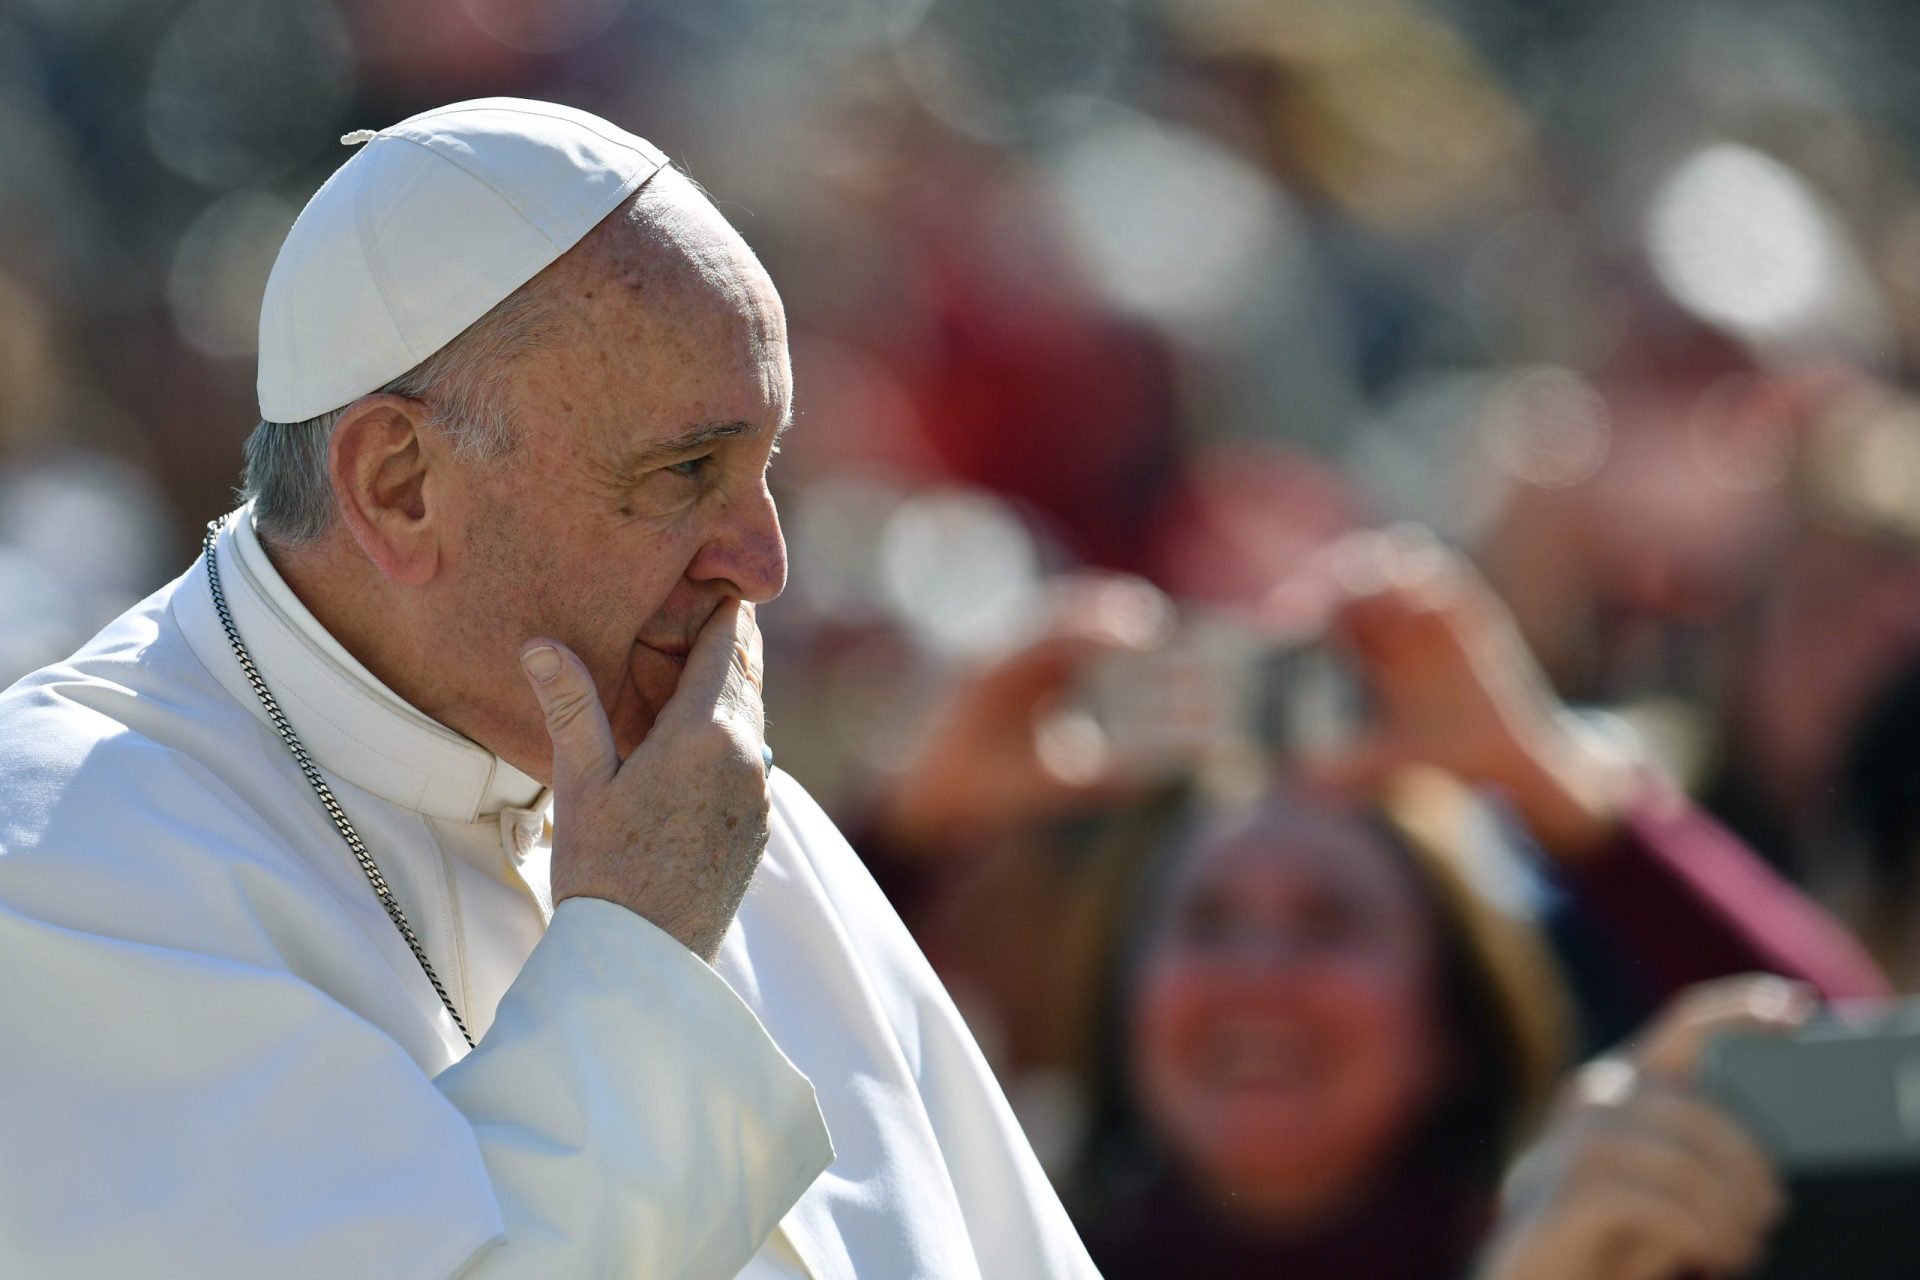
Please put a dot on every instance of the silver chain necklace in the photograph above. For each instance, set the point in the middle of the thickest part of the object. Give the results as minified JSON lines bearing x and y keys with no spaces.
{"x":368,"y":867}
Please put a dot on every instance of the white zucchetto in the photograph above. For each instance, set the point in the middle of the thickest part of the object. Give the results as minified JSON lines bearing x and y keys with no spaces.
{"x":432,"y":223}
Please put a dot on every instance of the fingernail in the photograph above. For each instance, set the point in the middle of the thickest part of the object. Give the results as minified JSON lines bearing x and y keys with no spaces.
{"x":1783,"y":1001}
{"x":542,"y":662}
{"x":1136,"y":618}
{"x":1359,"y":562}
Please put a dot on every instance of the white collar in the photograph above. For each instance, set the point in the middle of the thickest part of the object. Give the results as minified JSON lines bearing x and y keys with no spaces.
{"x":353,"y":725}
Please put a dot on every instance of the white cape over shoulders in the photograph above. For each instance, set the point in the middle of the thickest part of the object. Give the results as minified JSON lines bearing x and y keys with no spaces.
{"x":221,"y":1060}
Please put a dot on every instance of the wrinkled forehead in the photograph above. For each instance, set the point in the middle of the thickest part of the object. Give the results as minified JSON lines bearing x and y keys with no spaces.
{"x":672,"y":250}
{"x":663,"y":322}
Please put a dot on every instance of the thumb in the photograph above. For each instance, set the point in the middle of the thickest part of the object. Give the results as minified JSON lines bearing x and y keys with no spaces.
{"x":583,"y":750}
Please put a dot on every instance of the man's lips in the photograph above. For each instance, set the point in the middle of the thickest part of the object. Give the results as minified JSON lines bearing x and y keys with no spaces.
{"x":674,"y":652}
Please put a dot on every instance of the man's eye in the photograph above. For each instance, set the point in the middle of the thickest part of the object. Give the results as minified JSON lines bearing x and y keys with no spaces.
{"x":691,"y":467}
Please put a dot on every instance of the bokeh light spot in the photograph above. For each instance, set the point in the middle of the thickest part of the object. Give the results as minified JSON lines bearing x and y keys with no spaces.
{"x":1171,"y":226}
{"x":242,"y":92}
{"x":220,"y":268}
{"x":1547,"y":427}
{"x":1741,"y":240}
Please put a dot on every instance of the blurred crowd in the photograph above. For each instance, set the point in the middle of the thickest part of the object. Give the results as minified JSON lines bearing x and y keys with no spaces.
{"x":1345,"y":552}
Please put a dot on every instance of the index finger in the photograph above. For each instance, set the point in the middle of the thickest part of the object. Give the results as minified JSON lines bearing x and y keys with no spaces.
{"x":1672,"y":1046}
{"x":723,"y":667}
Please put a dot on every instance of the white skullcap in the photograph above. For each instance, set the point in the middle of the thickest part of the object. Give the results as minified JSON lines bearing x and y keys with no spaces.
{"x":429,"y":226}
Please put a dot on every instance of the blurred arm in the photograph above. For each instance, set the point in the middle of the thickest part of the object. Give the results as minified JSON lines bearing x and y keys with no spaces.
{"x":1689,"y":901}
{"x":1681,"y":899}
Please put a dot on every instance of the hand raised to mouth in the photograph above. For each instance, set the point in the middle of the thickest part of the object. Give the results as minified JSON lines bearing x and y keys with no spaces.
{"x":675,"y":832}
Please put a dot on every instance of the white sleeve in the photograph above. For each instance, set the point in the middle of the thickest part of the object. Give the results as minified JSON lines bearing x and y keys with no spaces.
{"x":168,"y":1113}
{"x":707,"y":1139}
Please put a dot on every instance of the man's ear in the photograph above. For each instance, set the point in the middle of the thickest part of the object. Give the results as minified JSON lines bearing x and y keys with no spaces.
{"x":384,"y":462}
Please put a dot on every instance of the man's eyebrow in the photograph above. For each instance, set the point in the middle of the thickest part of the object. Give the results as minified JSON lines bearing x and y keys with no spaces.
{"x":698,"y":436}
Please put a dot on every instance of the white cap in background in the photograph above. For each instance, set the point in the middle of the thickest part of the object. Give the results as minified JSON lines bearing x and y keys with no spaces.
{"x":428,"y":227}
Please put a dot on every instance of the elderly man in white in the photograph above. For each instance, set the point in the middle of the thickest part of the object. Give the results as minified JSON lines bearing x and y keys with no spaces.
{"x":298,"y":978}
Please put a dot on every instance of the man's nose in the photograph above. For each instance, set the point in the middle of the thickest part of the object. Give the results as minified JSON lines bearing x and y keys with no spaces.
{"x":747,"y":550}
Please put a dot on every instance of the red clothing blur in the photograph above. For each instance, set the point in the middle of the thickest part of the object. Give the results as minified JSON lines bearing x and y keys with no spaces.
{"x":1684,"y":901}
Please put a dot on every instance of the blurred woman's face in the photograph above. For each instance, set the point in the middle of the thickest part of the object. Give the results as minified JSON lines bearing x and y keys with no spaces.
{"x":1285,"y":1033}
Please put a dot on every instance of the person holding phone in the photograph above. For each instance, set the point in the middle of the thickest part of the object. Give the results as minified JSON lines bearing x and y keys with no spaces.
{"x":1328,"y":1039}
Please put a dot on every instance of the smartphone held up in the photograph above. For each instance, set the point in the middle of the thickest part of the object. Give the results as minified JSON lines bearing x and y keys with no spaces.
{"x":1219,"y":688}
{"x":1836,"y":1107}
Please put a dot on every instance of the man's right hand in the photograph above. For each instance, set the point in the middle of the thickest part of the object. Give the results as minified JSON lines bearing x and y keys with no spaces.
{"x":674,"y":833}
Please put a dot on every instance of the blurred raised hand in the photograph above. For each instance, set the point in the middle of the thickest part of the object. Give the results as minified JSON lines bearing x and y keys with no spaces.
{"x":1639,"y":1178}
{"x":1454,"y":686}
{"x":997,"y":753}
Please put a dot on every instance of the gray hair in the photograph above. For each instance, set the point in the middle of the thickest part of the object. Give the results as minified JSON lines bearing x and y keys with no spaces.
{"x":461,"y":384}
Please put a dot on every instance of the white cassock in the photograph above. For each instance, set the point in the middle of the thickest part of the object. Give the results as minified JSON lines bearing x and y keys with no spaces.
{"x":219,"y":1059}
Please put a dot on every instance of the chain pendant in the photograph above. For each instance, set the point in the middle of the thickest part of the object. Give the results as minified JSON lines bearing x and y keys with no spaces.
{"x":284,"y":727}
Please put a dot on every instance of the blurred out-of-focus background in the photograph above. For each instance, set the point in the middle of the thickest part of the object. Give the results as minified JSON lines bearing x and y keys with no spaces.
{"x":1114,"y":324}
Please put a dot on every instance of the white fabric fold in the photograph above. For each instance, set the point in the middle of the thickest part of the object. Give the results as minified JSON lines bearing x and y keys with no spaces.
{"x":698,"y":1177}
